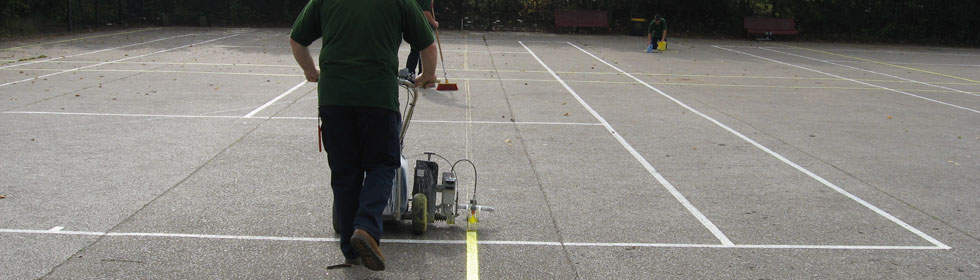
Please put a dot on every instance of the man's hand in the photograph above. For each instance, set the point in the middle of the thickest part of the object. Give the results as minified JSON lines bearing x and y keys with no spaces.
{"x":435,"y":24}
{"x":426,"y":80}
{"x":312,"y":76}
{"x":302,"y":55}
{"x":428,"y":77}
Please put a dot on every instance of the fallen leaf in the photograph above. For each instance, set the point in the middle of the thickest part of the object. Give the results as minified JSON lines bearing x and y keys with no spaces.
{"x":77,"y":95}
{"x":32,"y":139}
{"x":566,"y":114}
{"x":563,"y":103}
{"x":694,"y":148}
{"x":2,"y":196}
{"x":889,"y":117}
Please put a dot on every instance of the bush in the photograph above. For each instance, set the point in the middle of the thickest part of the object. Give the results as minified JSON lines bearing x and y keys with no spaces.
{"x":919,"y":21}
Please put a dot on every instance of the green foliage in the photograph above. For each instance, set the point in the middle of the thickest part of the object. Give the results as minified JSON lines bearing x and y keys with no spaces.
{"x":934,"y":21}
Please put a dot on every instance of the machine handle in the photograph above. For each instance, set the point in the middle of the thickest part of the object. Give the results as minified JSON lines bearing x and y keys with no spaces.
{"x":477,"y":207}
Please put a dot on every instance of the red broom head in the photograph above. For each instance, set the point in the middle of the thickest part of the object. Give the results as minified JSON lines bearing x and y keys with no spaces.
{"x":447,"y":87}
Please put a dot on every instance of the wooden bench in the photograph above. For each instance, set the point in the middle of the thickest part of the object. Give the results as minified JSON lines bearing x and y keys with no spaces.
{"x":581,"y":18}
{"x":769,"y":26}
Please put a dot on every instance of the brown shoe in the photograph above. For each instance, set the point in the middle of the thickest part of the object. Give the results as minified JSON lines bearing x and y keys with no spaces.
{"x":367,"y":247}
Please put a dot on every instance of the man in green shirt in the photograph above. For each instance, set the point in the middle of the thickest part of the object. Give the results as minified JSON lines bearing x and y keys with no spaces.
{"x":413,"y":54}
{"x":358,"y":105}
{"x":658,"y":29}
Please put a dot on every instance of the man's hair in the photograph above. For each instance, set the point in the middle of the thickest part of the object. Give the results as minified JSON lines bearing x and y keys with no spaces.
{"x":657,"y":16}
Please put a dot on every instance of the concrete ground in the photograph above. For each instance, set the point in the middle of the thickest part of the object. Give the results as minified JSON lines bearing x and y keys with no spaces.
{"x":192,"y":153}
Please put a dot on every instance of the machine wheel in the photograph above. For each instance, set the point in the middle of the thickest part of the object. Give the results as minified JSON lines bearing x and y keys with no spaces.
{"x":420,"y":220}
{"x":336,"y":221}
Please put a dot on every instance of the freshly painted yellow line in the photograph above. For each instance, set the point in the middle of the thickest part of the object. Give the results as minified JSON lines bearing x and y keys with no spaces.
{"x":472,"y":256}
{"x":83,"y":38}
{"x":883,"y":63}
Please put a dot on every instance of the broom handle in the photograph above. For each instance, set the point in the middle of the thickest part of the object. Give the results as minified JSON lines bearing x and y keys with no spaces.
{"x":439,"y":43}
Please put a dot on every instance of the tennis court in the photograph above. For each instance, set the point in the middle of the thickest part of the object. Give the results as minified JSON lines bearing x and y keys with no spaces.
{"x":192,"y":153}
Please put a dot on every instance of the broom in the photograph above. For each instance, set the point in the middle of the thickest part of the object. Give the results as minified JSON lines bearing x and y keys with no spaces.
{"x":445,"y":85}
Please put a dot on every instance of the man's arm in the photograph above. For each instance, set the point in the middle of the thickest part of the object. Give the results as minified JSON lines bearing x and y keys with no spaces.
{"x":431,"y":18}
{"x":429,"y":60}
{"x":664,"y":36}
{"x":302,"y":55}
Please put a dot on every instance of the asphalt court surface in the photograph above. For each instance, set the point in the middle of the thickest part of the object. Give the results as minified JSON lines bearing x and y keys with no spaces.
{"x":192,"y":153}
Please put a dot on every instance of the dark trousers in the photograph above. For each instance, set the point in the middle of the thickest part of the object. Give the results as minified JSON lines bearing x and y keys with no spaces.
{"x":413,"y":61}
{"x":363,"y":153}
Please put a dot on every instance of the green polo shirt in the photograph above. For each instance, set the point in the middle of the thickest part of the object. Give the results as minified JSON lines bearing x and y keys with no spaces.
{"x":359,"y":55}
{"x":425,"y":4}
{"x":657,"y":29}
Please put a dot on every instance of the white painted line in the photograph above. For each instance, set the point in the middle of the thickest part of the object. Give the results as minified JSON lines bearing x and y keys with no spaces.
{"x":643,"y":161}
{"x":79,"y":39}
{"x":217,"y":236}
{"x":749,"y":246}
{"x":782,"y":158}
{"x":542,"y":41}
{"x":852,"y":80}
{"x":284,"y":118}
{"x":869,"y":71}
{"x":60,"y":232}
{"x":122,"y":115}
{"x":164,"y":72}
{"x":93,"y":52}
{"x":522,"y":123}
{"x":469,"y":120}
{"x":56,"y":229}
{"x":189,"y":63}
{"x":463,"y":242}
{"x":466,"y":56}
{"x":899,"y":52}
{"x":907,"y":63}
{"x":842,"y":247}
{"x":267,"y":104}
{"x":535,"y":80}
{"x":114,"y":61}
